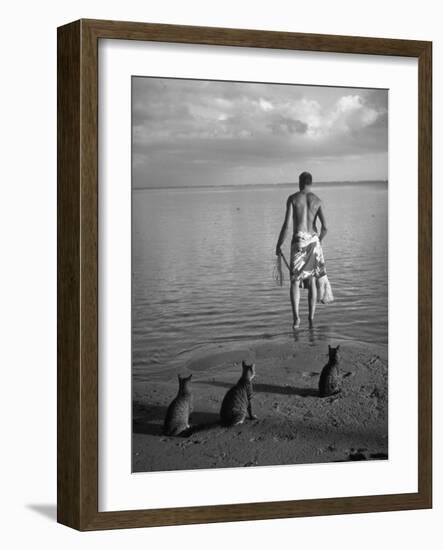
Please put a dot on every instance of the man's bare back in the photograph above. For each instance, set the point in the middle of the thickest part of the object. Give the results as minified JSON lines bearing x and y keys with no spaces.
{"x":305,"y":210}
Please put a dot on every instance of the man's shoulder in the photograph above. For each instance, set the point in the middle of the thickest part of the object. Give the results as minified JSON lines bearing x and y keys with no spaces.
{"x":290,"y":200}
{"x":314,"y":198}
{"x":300,"y":197}
{"x":294,"y":196}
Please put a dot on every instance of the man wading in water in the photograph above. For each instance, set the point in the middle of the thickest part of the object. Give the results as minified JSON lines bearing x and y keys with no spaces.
{"x":307,"y":262}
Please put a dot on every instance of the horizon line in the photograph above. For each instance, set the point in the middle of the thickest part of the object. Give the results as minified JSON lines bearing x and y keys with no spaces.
{"x":243,"y":185}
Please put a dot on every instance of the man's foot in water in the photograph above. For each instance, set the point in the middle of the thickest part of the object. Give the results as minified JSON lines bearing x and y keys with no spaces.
{"x":311,"y":323}
{"x":296,"y":323}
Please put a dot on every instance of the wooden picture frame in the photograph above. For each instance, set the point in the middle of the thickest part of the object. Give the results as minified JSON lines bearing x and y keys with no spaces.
{"x":77,"y":455}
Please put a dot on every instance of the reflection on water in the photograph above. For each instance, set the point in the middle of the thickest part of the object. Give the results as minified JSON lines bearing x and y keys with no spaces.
{"x":319,"y":333}
{"x":203,"y":261}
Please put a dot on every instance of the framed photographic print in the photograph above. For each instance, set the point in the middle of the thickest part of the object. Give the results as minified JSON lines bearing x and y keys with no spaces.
{"x":244,"y":274}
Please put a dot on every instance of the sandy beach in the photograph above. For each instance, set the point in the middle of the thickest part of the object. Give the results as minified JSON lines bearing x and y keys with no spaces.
{"x":294,"y":425}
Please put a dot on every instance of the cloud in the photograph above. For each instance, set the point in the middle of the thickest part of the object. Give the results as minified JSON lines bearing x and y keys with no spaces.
{"x":207,"y":132}
{"x":283,"y":125}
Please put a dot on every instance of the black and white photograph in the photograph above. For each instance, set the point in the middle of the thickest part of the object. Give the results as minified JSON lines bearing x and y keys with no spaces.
{"x":259,"y":274}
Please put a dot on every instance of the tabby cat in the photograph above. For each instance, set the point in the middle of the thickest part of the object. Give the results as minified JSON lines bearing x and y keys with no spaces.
{"x":179,"y":411}
{"x":237,"y":401}
{"x":329,"y":383}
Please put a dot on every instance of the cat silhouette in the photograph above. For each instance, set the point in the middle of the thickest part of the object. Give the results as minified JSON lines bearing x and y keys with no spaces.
{"x":237,"y":401}
{"x":180,"y":409}
{"x":329,"y":383}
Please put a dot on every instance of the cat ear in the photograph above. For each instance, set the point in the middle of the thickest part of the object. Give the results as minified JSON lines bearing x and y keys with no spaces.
{"x":338,"y":347}
{"x":189,"y":377}
{"x":243,"y":363}
{"x":179,"y":377}
{"x":329,"y":346}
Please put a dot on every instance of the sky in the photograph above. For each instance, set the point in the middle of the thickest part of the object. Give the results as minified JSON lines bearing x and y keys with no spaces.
{"x":198,"y":133}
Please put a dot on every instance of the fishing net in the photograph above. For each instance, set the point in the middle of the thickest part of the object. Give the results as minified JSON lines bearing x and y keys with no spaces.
{"x":278,"y":271}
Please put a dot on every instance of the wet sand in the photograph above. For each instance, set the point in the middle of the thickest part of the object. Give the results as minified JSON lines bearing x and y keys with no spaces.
{"x":294,"y":425}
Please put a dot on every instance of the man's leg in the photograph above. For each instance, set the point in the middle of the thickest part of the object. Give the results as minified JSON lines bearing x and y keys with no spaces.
{"x":312,"y":297}
{"x":295,"y":301}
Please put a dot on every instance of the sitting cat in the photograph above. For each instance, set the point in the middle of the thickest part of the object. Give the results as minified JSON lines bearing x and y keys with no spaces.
{"x":329,"y":383}
{"x":237,"y":401}
{"x":180,"y":409}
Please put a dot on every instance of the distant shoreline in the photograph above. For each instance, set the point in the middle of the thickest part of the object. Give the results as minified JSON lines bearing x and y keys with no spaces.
{"x":262,"y":185}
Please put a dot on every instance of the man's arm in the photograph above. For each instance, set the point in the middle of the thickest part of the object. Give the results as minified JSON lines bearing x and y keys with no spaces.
{"x":284,"y":229}
{"x":321,"y":217}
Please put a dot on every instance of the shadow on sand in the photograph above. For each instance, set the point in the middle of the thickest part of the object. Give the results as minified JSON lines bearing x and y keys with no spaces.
{"x":148,"y":420}
{"x":271,"y":388}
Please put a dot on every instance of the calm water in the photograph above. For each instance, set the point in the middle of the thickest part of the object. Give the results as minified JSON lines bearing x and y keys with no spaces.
{"x":203,"y":264}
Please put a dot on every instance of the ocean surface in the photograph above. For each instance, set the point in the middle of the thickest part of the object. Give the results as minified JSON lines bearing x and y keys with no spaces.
{"x":202,"y":271}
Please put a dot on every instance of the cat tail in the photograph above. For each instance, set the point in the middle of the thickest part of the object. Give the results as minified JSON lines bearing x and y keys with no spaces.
{"x":178,"y":431}
{"x":170,"y":431}
{"x":233,"y":420}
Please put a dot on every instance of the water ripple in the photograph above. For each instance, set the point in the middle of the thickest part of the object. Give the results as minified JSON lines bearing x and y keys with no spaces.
{"x":202,"y":271}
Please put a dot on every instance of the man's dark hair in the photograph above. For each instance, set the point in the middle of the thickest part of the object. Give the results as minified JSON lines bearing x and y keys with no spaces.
{"x":304,"y":179}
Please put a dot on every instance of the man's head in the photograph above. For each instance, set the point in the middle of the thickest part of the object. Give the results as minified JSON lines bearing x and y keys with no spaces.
{"x":305,"y":181}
